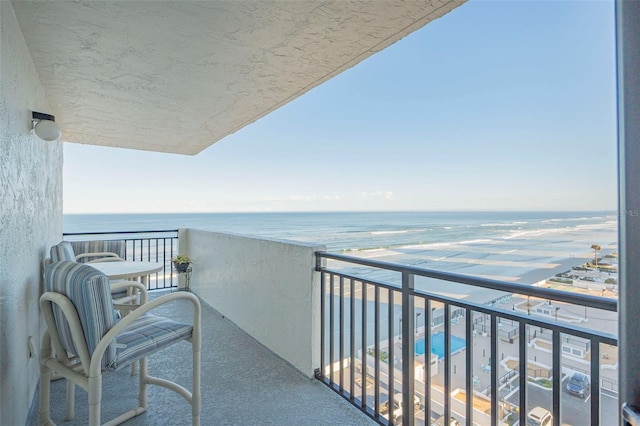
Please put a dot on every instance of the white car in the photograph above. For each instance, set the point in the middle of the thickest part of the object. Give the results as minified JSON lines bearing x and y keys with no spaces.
{"x":397,"y":406}
{"x":538,"y":416}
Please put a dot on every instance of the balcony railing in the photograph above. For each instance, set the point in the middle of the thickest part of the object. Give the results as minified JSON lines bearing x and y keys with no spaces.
{"x":380,"y":349}
{"x":151,"y":246}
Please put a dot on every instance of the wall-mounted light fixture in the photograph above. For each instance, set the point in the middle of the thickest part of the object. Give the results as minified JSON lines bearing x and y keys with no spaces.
{"x":44,"y":125}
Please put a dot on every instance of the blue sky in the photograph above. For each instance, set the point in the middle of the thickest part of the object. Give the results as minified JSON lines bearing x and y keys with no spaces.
{"x":496,"y":106}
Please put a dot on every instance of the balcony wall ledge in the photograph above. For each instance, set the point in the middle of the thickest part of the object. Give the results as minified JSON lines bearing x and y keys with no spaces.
{"x":268,"y":288}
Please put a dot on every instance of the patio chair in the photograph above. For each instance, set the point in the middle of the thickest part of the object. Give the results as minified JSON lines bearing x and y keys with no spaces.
{"x":132,"y":294}
{"x":65,"y":250}
{"x":88,"y":251}
{"x":99,"y":251}
{"x":81,"y":324}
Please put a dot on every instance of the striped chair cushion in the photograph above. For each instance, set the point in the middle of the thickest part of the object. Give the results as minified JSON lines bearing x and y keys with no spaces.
{"x":111,"y":246}
{"x":89,"y":291}
{"x":62,"y":251}
{"x":146,"y":335}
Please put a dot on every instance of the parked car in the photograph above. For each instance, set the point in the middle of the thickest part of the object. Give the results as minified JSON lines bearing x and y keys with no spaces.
{"x":538,"y":416}
{"x":397,"y":407}
{"x":579,"y":385}
{"x":441,"y":421}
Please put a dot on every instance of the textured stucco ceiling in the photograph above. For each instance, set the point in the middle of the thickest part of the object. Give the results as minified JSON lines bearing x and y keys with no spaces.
{"x":178,"y":76}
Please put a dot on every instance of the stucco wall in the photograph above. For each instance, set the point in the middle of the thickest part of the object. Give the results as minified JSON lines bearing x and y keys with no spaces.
{"x":30,"y":218}
{"x":268,"y":288}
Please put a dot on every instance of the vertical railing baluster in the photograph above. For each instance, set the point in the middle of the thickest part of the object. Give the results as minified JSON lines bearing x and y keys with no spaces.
{"x":469,"y":365}
{"x":447,"y":361}
{"x":149,"y":260}
{"x":364,"y":347}
{"x":176,"y":252}
{"x":428,"y":318}
{"x":341,"y":334}
{"x":174,"y":243}
{"x":376,"y":397}
{"x":408,"y":349}
{"x":494,"y":369}
{"x":155,"y":260}
{"x":164,"y":261}
{"x":173,"y":283}
{"x":595,"y":382}
{"x":557,"y":354}
{"x":323,"y":323}
{"x":523,"y":372}
{"x":391,"y":355}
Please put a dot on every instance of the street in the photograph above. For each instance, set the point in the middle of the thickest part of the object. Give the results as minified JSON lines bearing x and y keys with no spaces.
{"x":575,"y":411}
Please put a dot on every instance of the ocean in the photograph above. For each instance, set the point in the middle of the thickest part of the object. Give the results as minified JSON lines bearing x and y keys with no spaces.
{"x":512,"y":246}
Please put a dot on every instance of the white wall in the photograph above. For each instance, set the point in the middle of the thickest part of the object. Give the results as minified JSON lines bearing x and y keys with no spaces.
{"x":268,"y":288}
{"x":30,"y":217}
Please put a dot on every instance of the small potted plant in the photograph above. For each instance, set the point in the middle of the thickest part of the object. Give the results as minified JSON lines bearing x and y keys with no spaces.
{"x":181,"y":262}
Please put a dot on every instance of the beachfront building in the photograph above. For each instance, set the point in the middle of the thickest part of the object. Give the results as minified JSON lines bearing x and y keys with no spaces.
{"x":179,"y":76}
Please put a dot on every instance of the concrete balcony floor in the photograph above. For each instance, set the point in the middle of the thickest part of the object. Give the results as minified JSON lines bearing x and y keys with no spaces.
{"x":243,"y":383}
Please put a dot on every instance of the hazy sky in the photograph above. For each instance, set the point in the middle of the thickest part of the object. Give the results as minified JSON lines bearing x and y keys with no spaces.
{"x":496,"y":106}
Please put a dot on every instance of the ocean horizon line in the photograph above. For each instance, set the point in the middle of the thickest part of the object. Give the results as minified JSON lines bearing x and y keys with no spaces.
{"x":606,"y":212}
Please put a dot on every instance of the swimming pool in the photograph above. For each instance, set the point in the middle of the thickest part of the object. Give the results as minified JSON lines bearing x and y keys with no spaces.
{"x":437,"y":345}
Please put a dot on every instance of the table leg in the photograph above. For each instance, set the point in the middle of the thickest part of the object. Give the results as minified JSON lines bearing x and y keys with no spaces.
{"x":134,"y":367}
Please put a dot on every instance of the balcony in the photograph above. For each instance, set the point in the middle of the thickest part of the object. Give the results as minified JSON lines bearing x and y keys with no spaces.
{"x":379,"y":335}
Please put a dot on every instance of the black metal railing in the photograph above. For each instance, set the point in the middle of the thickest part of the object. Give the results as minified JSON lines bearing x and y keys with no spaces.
{"x":376,"y":355}
{"x":151,"y":246}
